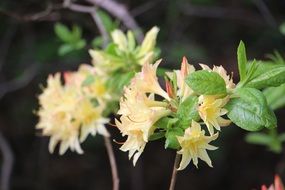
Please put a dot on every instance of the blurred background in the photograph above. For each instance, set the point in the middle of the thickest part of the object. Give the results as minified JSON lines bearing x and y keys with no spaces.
{"x":205,"y":31}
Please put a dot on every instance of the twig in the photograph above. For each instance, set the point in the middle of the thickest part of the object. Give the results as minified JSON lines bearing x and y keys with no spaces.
{"x":221,"y":13}
{"x":113,"y":164}
{"x":143,"y":8}
{"x":20,"y":82}
{"x":174,"y":172}
{"x":92,"y":11}
{"x":264,"y":10}
{"x":46,"y":14}
{"x":119,"y":11}
{"x":7,"y":165}
{"x":6,"y":42}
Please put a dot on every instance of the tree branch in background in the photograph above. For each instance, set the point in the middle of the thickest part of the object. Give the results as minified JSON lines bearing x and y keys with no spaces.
{"x":19,"y":82}
{"x":264,"y":10}
{"x":7,"y":163}
{"x":92,"y":11}
{"x":6,"y":42}
{"x":221,"y":13}
{"x":114,"y":170}
{"x":120,"y":12}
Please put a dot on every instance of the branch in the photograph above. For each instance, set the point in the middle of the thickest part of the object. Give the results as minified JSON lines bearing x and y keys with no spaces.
{"x":7,"y":165}
{"x":264,"y":10}
{"x":174,"y":172}
{"x":220,"y":12}
{"x":92,"y":11}
{"x":113,"y":164}
{"x":20,"y":82}
{"x":119,"y":11}
{"x":6,"y":42}
{"x":46,"y":14}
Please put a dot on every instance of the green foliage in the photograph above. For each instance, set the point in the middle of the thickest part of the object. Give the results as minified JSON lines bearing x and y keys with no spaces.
{"x":250,"y":111}
{"x":97,"y":42}
{"x":172,"y":130}
{"x":107,"y":21}
{"x":187,"y":111}
{"x":72,"y":39}
{"x":272,"y":140}
{"x":171,"y":137}
{"x":206,"y":83}
{"x":282,"y":28}
{"x":117,"y":82}
{"x":275,"y":96}
{"x":242,"y":60}
{"x":267,"y":75}
{"x":157,"y":135}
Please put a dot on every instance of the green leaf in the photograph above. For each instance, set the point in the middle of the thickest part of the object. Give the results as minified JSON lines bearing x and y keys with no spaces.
{"x":165,"y":123}
{"x":89,"y":80}
{"x":242,"y":60}
{"x":80,"y":44}
{"x":267,"y":75}
{"x":109,"y":25}
{"x":65,"y":49}
{"x":275,"y":96}
{"x":63,"y":32}
{"x":276,"y":58}
{"x":206,"y":83}
{"x":97,"y":42}
{"x":171,"y":138}
{"x":187,"y":111}
{"x":76,"y":32}
{"x":117,"y":82}
{"x":258,"y":138}
{"x":282,"y":28}
{"x":250,"y":110}
{"x":94,"y":102}
{"x":281,"y":137}
{"x":157,"y":135}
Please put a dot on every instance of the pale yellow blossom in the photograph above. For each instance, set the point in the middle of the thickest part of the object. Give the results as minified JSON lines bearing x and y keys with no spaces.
{"x":67,"y":113}
{"x":194,"y":144}
{"x":139,"y":113}
{"x":211,"y":109}
{"x":146,"y":80}
{"x":146,"y":52}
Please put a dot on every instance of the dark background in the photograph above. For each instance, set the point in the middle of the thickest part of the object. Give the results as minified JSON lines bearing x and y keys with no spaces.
{"x":206,"y":31}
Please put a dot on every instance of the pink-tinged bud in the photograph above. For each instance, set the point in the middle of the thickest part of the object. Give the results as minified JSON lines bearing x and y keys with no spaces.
{"x":184,"y":67}
{"x":278,"y":183}
{"x":263,"y":187}
{"x":67,"y":76}
{"x":169,"y":89}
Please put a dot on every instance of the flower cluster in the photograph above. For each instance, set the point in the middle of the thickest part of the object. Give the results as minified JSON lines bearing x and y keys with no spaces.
{"x":146,"y":109}
{"x":72,"y":110}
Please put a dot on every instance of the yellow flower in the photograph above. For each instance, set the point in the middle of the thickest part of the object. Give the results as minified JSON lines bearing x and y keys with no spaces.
{"x":89,"y":117}
{"x":67,"y":112}
{"x":146,"y":52}
{"x":139,"y":113}
{"x":120,"y":39}
{"x":106,"y":62}
{"x":211,"y":109}
{"x":194,"y":144}
{"x":223,"y":73}
{"x":147,"y":81}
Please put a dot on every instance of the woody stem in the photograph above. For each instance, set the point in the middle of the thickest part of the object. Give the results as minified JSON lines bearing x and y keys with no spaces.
{"x":174,"y":171}
{"x":114,"y":170}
